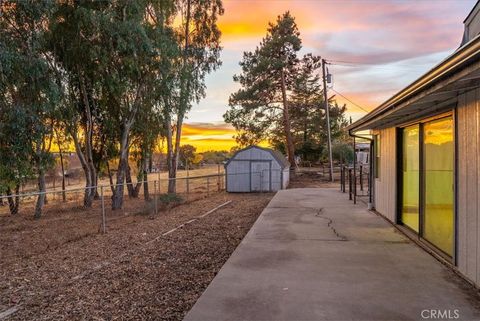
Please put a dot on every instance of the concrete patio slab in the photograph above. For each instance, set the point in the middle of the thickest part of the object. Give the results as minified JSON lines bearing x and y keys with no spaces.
{"x":313,"y":255}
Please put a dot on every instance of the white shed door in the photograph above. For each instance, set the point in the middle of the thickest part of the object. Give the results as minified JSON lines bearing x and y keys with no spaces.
{"x":260,"y":176}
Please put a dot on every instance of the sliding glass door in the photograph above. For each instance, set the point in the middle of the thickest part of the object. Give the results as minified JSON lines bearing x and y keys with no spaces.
{"x":438,"y":151}
{"x":410,"y":177}
{"x":427,"y":176}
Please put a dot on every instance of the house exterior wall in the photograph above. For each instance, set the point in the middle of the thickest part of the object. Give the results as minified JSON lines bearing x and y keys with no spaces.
{"x":385,"y":185}
{"x":468,"y":180}
{"x":467,"y":122}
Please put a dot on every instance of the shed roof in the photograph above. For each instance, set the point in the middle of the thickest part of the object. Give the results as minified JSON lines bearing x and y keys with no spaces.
{"x":279,"y":157}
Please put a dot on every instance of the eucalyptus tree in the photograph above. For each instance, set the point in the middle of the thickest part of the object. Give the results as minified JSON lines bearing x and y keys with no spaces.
{"x":190,"y":49}
{"x":268,"y":75}
{"x":109,"y":53}
{"x":16,"y":163}
{"x":126,"y":61}
{"x":28,"y":93}
{"x":75,"y":41}
{"x":145,"y":135}
{"x":198,"y":39}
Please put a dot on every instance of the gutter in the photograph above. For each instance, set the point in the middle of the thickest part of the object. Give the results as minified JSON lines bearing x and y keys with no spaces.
{"x":454,"y":61}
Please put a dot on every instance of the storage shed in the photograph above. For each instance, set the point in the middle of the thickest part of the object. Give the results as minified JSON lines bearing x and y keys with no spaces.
{"x":257,"y":169}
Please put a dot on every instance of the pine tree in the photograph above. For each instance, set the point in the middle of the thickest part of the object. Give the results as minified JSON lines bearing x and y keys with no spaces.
{"x":268,"y":74}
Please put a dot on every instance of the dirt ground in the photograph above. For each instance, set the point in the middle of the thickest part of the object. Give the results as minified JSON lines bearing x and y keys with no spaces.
{"x":61,"y":268}
{"x":52,"y":270}
{"x":313,"y":177}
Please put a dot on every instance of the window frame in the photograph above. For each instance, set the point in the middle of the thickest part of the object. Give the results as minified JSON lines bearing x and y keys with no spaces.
{"x":377,"y":145}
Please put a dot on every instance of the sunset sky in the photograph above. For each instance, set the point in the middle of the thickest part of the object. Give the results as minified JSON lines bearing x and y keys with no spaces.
{"x":376,"y":49}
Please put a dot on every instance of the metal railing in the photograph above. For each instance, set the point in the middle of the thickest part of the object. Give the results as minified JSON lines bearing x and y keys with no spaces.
{"x":358,"y":180}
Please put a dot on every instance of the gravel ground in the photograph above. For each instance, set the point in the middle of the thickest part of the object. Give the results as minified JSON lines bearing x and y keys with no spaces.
{"x":124,"y":275}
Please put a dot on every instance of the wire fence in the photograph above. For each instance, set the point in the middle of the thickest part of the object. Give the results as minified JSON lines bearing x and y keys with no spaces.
{"x":142,"y":198}
{"x":65,"y":209}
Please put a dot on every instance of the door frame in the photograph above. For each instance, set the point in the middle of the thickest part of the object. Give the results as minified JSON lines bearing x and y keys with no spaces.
{"x":399,"y":200}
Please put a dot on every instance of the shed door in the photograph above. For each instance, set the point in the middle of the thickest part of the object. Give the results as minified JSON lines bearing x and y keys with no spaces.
{"x":260,"y":176}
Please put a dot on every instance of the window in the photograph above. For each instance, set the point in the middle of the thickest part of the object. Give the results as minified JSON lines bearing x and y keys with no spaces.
{"x":377,"y":146}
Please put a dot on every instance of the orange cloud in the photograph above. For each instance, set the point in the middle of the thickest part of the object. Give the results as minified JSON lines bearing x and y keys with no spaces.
{"x":248,"y":19}
{"x":205,"y":136}
{"x":208,"y":136}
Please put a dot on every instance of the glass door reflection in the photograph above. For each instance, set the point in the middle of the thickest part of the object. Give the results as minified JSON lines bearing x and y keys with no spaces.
{"x":438,"y":153}
{"x":410,"y":177}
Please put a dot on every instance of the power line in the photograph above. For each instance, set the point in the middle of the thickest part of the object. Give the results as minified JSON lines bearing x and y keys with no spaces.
{"x":340,"y":94}
{"x":350,"y":101}
{"x":384,"y":67}
{"x":339,"y":62}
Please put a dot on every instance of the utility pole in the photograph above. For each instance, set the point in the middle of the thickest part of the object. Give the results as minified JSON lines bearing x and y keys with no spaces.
{"x":327,"y":113}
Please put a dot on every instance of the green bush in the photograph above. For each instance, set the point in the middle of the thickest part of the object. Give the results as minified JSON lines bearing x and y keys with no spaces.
{"x":170,"y":199}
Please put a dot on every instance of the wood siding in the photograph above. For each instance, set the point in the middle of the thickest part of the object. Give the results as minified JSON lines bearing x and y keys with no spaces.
{"x":386,"y":184}
{"x":468,"y":180}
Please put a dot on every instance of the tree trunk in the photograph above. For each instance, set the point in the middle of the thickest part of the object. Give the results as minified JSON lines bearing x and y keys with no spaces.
{"x":88,"y":141}
{"x":176,"y":151}
{"x":146,"y":193}
{"x":110,"y":178}
{"x":132,"y":191}
{"x":286,"y":124}
{"x":140,"y":175}
{"x":183,"y":101}
{"x":41,"y":196}
{"x":97,"y":165}
{"x":64,"y":196}
{"x":87,"y":198}
{"x":170,"y":164}
{"x":93,"y":179}
{"x":13,"y":201}
{"x":117,"y":197}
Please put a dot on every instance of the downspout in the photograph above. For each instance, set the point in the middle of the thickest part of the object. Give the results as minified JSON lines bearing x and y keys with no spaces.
{"x":370,"y":181}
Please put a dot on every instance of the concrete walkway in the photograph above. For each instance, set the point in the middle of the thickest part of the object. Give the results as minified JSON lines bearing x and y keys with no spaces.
{"x":313,"y":255}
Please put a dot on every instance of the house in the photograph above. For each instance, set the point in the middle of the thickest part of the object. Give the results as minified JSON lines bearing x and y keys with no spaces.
{"x":426,"y":156}
{"x":362,"y":153}
{"x":257,"y":169}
